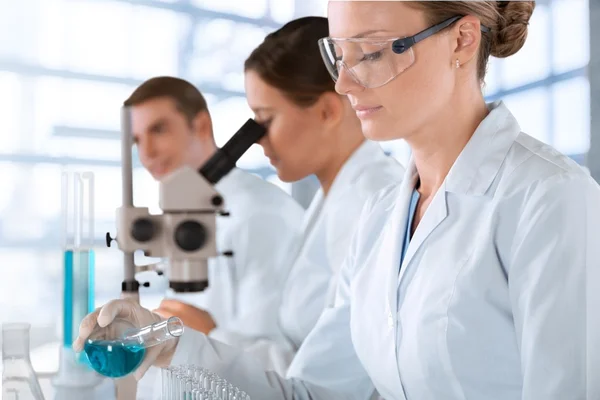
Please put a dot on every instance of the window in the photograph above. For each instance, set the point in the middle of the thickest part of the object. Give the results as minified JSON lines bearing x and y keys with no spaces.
{"x":519,"y":68}
{"x":78,"y":118}
{"x":229,"y":116}
{"x":571,"y":48}
{"x":531,"y":111}
{"x":282,"y":11}
{"x":550,"y":98}
{"x":136,"y":33}
{"x":10,"y":104}
{"x":251,"y":9}
{"x":221,"y":47}
{"x":571,"y":119}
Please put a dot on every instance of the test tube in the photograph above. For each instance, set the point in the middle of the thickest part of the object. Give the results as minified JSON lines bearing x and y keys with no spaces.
{"x":77,"y":241}
{"x":157,"y":333}
{"x":189,"y":387}
{"x":218,"y":387}
{"x":166,"y":383}
{"x":230,"y":392}
{"x":194,"y":382}
{"x":206,"y":379}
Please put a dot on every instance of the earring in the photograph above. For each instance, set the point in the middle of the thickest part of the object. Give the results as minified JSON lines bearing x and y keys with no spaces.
{"x":457,"y":64}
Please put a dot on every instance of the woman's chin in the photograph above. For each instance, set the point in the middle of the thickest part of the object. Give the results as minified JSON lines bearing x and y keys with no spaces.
{"x":378,"y":132}
{"x":288,"y":176}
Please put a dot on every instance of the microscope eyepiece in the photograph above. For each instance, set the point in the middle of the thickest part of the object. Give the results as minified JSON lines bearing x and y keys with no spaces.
{"x":224,"y":160}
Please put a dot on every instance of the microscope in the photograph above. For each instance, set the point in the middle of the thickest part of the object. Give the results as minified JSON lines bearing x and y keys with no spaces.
{"x":185,"y":233}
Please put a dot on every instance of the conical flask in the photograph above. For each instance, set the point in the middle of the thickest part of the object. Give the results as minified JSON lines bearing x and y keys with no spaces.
{"x":18,"y":377}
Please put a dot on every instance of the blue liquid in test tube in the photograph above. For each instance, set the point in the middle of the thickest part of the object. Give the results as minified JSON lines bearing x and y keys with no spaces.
{"x":78,"y":291}
{"x":78,"y":275}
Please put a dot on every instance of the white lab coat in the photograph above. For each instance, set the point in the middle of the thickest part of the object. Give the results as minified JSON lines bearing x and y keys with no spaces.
{"x":490,"y":300}
{"x":327,"y":231}
{"x":245,"y":290}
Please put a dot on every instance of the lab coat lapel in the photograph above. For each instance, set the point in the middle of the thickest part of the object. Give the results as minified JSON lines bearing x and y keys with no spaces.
{"x":394,"y":235}
{"x":313,"y":214}
{"x":364,"y":155}
{"x":472,"y":173}
{"x":436,"y":212}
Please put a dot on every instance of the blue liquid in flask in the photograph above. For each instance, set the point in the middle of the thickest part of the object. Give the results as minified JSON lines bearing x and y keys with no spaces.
{"x":114,"y":358}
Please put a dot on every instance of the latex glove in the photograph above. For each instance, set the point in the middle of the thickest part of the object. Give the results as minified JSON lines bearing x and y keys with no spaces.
{"x":159,"y":355}
{"x":192,"y":317}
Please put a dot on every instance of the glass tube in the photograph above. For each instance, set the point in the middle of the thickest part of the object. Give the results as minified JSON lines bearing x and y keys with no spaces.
{"x":79,"y":259}
{"x":77,"y":240}
{"x":166,"y":384}
{"x":157,"y":333}
{"x":231,"y":392}
{"x":193,"y":382}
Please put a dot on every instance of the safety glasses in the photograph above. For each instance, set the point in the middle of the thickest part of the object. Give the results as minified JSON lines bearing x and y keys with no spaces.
{"x":373,"y":62}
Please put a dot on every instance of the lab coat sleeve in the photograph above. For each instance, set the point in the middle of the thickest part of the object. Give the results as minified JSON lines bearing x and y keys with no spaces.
{"x":343,"y":221}
{"x":263,"y":243}
{"x":326,"y":366}
{"x":273,"y":354}
{"x":555,"y":245}
{"x":327,"y":356}
{"x":245,"y":371}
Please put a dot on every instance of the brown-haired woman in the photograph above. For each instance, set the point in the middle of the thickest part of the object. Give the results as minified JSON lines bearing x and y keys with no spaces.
{"x":312,"y":130}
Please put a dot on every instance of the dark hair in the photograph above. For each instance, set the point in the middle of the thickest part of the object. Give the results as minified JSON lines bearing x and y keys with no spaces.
{"x":188,"y":99}
{"x":289,"y":60}
{"x":507,"y":20}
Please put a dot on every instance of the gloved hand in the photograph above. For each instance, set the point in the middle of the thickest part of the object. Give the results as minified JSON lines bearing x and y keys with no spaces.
{"x":159,"y":355}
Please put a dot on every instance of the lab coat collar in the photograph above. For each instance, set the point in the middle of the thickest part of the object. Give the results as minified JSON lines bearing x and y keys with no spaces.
{"x":228,"y":184}
{"x":364,"y":155}
{"x":395,"y":232}
{"x":472,"y":173}
{"x":478,"y":164}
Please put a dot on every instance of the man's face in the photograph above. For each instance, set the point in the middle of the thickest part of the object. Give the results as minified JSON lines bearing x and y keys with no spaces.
{"x":164,"y":137}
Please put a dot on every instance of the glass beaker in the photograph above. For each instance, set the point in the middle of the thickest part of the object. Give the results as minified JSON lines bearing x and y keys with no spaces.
{"x":119,"y":348}
{"x":18,"y":377}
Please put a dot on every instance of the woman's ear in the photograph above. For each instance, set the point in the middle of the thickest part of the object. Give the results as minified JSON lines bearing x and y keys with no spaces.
{"x":331,"y":108}
{"x":467,"y":35}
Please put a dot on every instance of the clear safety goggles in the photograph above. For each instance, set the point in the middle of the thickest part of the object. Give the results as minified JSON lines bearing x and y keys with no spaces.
{"x":373,"y":62}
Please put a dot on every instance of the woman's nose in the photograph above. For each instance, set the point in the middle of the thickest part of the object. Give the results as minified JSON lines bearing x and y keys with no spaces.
{"x":346,"y":83}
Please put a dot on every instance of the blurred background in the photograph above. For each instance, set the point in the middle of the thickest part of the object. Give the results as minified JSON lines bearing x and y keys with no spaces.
{"x":67,"y":65}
